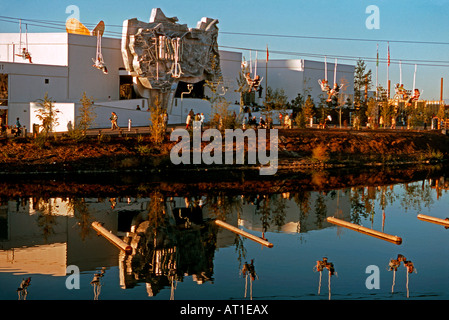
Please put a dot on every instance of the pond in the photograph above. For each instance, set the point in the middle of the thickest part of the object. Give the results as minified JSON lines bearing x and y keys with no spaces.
{"x":179,"y":252}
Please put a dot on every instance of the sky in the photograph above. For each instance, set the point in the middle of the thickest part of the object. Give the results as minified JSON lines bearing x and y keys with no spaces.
{"x":416,"y":32}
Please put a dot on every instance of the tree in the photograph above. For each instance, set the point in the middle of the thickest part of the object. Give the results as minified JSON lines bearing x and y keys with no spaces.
{"x":371,"y":111}
{"x":157,"y":125}
{"x":362,"y":83}
{"x":47,"y":114}
{"x":274,"y":100}
{"x":86,"y":115}
{"x":309,"y":109}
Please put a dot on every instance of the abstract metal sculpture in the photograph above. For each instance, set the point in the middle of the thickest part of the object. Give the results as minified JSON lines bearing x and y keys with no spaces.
{"x":162,"y":52}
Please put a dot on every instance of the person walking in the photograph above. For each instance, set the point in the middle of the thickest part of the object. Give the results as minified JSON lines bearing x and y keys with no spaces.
{"x":114,"y":119}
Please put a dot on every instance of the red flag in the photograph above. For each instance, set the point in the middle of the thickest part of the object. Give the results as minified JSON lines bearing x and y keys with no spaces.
{"x":267,"y":54}
{"x":388,"y":54}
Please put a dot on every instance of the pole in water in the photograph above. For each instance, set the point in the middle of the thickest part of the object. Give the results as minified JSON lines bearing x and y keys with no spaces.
{"x":374,"y":233}
{"x":244,"y":233}
{"x":119,"y":243}
{"x":444,"y":222}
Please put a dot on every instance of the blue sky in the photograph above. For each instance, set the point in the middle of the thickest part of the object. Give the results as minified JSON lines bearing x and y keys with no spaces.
{"x":281,"y":25}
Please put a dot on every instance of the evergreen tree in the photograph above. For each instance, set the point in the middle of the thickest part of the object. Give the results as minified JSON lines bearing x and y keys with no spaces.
{"x":362,"y":83}
{"x":309,"y":109}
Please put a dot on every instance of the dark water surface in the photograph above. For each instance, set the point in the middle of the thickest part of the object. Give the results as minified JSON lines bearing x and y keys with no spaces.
{"x":180,"y":253}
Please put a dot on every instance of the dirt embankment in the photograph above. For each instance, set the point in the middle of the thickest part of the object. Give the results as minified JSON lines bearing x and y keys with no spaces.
{"x":297,"y":148}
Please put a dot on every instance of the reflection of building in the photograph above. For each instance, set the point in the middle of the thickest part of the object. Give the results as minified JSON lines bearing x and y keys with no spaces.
{"x":45,"y":237}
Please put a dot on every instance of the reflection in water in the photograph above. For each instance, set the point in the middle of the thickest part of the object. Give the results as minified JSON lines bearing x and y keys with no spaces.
{"x":319,"y":267}
{"x":97,"y":284}
{"x":394,"y":265}
{"x":22,"y":290}
{"x":169,"y":243}
{"x":173,"y":235}
{"x":249,"y":272}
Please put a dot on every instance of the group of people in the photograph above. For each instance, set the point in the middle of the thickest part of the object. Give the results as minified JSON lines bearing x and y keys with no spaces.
{"x":191,"y":116}
{"x":400,"y":92}
{"x":331,"y":92}
{"x":285,"y":121}
{"x":16,"y":129}
{"x":252,"y":122}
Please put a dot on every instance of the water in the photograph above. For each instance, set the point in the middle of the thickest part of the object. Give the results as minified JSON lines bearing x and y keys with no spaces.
{"x":188,"y":257}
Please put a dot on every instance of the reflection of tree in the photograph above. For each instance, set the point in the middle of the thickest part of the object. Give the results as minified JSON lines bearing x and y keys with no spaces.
{"x":46,"y":218}
{"x":320,"y":209}
{"x":358,"y":210}
{"x":363,"y":200}
{"x":221,"y":204}
{"x":302,"y":200}
{"x":81,"y":214}
{"x":415,"y":196}
{"x":279,"y":206}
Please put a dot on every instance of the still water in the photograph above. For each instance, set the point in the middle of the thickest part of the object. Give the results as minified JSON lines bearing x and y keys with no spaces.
{"x":180,"y":253}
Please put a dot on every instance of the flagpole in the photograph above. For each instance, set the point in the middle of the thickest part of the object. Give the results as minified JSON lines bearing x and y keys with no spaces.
{"x":414,"y":79}
{"x":377,"y":71}
{"x":388,"y":71}
{"x":266,"y":75}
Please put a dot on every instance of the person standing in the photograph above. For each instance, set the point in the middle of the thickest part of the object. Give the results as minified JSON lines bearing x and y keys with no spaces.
{"x":18,"y":127}
{"x":188,"y":120}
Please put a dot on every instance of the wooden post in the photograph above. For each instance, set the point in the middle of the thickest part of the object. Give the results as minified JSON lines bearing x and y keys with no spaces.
{"x":243,"y":233}
{"x":119,"y":243}
{"x":374,"y":233}
{"x":444,"y":222}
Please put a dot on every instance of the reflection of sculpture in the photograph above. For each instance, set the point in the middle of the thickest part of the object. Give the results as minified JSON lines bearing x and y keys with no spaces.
{"x":168,"y":244}
{"x":161,"y":53}
{"x":248,"y":271}
{"x":394,"y":265}
{"x":320,"y":266}
{"x":22,"y":291}
{"x":96,"y":283}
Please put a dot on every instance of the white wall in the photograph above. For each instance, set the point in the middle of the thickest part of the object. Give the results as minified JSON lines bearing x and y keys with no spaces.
{"x":69,"y":112}
{"x":85,"y":78}
{"x":230,"y":63}
{"x":301,"y":76}
{"x":315,"y":70}
{"x":65,"y":114}
{"x":27,"y":83}
{"x":45,"y":48}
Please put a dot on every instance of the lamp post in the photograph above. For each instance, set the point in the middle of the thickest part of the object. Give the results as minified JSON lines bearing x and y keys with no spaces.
{"x":190,"y":88}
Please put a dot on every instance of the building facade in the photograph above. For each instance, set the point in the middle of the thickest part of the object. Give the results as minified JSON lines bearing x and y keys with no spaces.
{"x":62,"y":68}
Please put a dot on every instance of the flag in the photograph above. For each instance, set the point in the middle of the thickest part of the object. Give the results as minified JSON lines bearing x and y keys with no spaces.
{"x":388,"y":54}
{"x":267,"y":53}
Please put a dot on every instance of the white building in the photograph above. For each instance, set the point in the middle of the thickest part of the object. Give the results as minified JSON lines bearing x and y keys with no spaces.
{"x":62,"y":67}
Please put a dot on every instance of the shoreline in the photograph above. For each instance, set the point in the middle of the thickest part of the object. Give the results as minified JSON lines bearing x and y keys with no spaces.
{"x":299,"y":150}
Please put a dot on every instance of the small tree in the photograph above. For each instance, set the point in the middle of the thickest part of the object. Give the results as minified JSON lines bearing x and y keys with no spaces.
{"x":86,"y":115}
{"x":157,"y":125}
{"x":274,"y":100}
{"x":308,"y":110}
{"x":47,"y":114}
{"x":371,"y":112}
